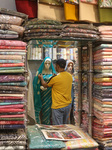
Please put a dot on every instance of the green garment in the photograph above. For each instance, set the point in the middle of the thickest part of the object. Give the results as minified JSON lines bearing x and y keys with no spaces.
{"x":42,"y":99}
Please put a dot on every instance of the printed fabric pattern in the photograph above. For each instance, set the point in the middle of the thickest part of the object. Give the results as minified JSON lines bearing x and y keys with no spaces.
{"x":105,"y":3}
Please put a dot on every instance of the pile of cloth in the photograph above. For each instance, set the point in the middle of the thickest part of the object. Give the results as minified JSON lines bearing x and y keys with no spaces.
{"x":11,"y":24}
{"x":102,"y":131}
{"x":85,"y":101}
{"x":105,"y":33}
{"x":80,"y":32}
{"x":12,"y":81}
{"x":76,"y":117}
{"x":42,"y":29}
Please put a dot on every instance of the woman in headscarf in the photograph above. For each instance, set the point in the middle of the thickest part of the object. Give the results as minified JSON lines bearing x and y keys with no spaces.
{"x":42,"y":96}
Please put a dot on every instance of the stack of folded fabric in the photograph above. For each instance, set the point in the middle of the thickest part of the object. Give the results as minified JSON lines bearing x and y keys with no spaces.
{"x":46,"y":29}
{"x":79,"y":31}
{"x":11,"y":24}
{"x":76,"y":117}
{"x":105,"y":33}
{"x":12,"y":81}
{"x":85,"y":102}
{"x":102,"y":96}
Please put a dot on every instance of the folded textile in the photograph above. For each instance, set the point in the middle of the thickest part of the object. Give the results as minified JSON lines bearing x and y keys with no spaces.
{"x":90,"y":1}
{"x":103,"y":80}
{"x":11,"y":119}
{"x":18,"y":29}
{"x":105,"y":4}
{"x":12,"y":70}
{"x":11,"y":61}
{"x":10,"y":106}
{"x":105,"y":14}
{"x":51,"y":2}
{"x":71,"y":12}
{"x":42,"y":30}
{"x":43,"y":26}
{"x":12,"y":143}
{"x":79,"y":35}
{"x":11,"y":57}
{"x":12,"y":48}
{"x":11,"y":122}
{"x":12,"y":88}
{"x":10,"y":19}
{"x":15,"y":84}
{"x":79,"y":30}
{"x":9,"y":36}
{"x":72,"y":1}
{"x":11,"y":78}
{"x":41,"y":142}
{"x":12,"y":147}
{"x":13,"y":116}
{"x":38,"y":22}
{"x":104,"y":28}
{"x":12,"y":65}
{"x":13,"y":13}
{"x":101,"y":46}
{"x":11,"y":110}
{"x":12,"y":43}
{"x":82,"y":26}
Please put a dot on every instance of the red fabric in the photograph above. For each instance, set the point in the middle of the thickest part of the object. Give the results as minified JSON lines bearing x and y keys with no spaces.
{"x":12,"y":116}
{"x":11,"y":122}
{"x":11,"y":110}
{"x":13,"y":47}
{"x":27,"y":7}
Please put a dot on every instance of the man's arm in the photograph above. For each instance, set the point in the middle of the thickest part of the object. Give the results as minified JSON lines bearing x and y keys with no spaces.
{"x":44,"y":84}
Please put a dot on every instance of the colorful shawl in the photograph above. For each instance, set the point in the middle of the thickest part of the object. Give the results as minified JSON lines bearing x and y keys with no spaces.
{"x":39,"y":95}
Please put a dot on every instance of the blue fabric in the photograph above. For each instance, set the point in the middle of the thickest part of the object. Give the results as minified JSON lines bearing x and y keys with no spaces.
{"x":38,"y":94}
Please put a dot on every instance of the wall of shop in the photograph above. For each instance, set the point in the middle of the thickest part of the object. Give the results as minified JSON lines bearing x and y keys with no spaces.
{"x":9,"y":4}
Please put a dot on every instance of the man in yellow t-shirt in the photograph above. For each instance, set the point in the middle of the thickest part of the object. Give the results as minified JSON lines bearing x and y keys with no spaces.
{"x":61,"y":93}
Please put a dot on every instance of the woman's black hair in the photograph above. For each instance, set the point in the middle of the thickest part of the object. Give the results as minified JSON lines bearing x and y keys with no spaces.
{"x":61,"y":62}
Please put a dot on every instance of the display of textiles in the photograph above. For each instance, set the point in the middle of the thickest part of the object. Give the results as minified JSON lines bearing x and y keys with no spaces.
{"x":102,"y":87}
{"x":80,"y":31}
{"x":76,"y":88}
{"x":13,"y":81}
{"x":34,"y":29}
{"x":105,"y":32}
{"x":104,"y":9}
{"x":85,"y":99}
{"x":39,"y":49}
{"x":38,"y":141}
{"x":90,"y":1}
{"x":105,"y":3}
{"x":72,"y":1}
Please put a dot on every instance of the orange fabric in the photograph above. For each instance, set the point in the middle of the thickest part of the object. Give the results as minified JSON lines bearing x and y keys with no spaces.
{"x":71,"y":12}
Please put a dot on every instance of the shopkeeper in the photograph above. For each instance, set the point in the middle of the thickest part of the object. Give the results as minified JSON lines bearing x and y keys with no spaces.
{"x":61,"y":93}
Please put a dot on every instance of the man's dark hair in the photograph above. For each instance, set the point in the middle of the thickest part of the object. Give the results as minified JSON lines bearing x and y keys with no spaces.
{"x":61,"y":63}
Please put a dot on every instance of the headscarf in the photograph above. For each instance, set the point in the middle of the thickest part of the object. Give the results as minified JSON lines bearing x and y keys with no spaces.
{"x":67,"y":62}
{"x":36,"y":86}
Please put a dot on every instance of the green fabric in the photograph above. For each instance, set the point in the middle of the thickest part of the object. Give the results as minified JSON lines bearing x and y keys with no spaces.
{"x":42,"y":99}
{"x":105,"y":14}
{"x":38,"y":141}
{"x":105,"y":3}
{"x":11,"y":71}
{"x":18,"y":119}
{"x":15,"y":83}
{"x":11,"y":103}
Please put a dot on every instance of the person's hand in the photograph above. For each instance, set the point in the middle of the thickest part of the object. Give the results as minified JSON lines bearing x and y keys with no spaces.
{"x":40,"y":76}
{"x":54,"y":74}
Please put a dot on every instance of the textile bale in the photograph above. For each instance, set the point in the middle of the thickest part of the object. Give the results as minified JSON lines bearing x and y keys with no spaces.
{"x":71,"y":12}
{"x":88,"y":12}
{"x":51,"y":12}
{"x":27,"y":7}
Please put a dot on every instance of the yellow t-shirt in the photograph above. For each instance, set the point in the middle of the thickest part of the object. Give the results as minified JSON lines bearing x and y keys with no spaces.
{"x":61,"y":90}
